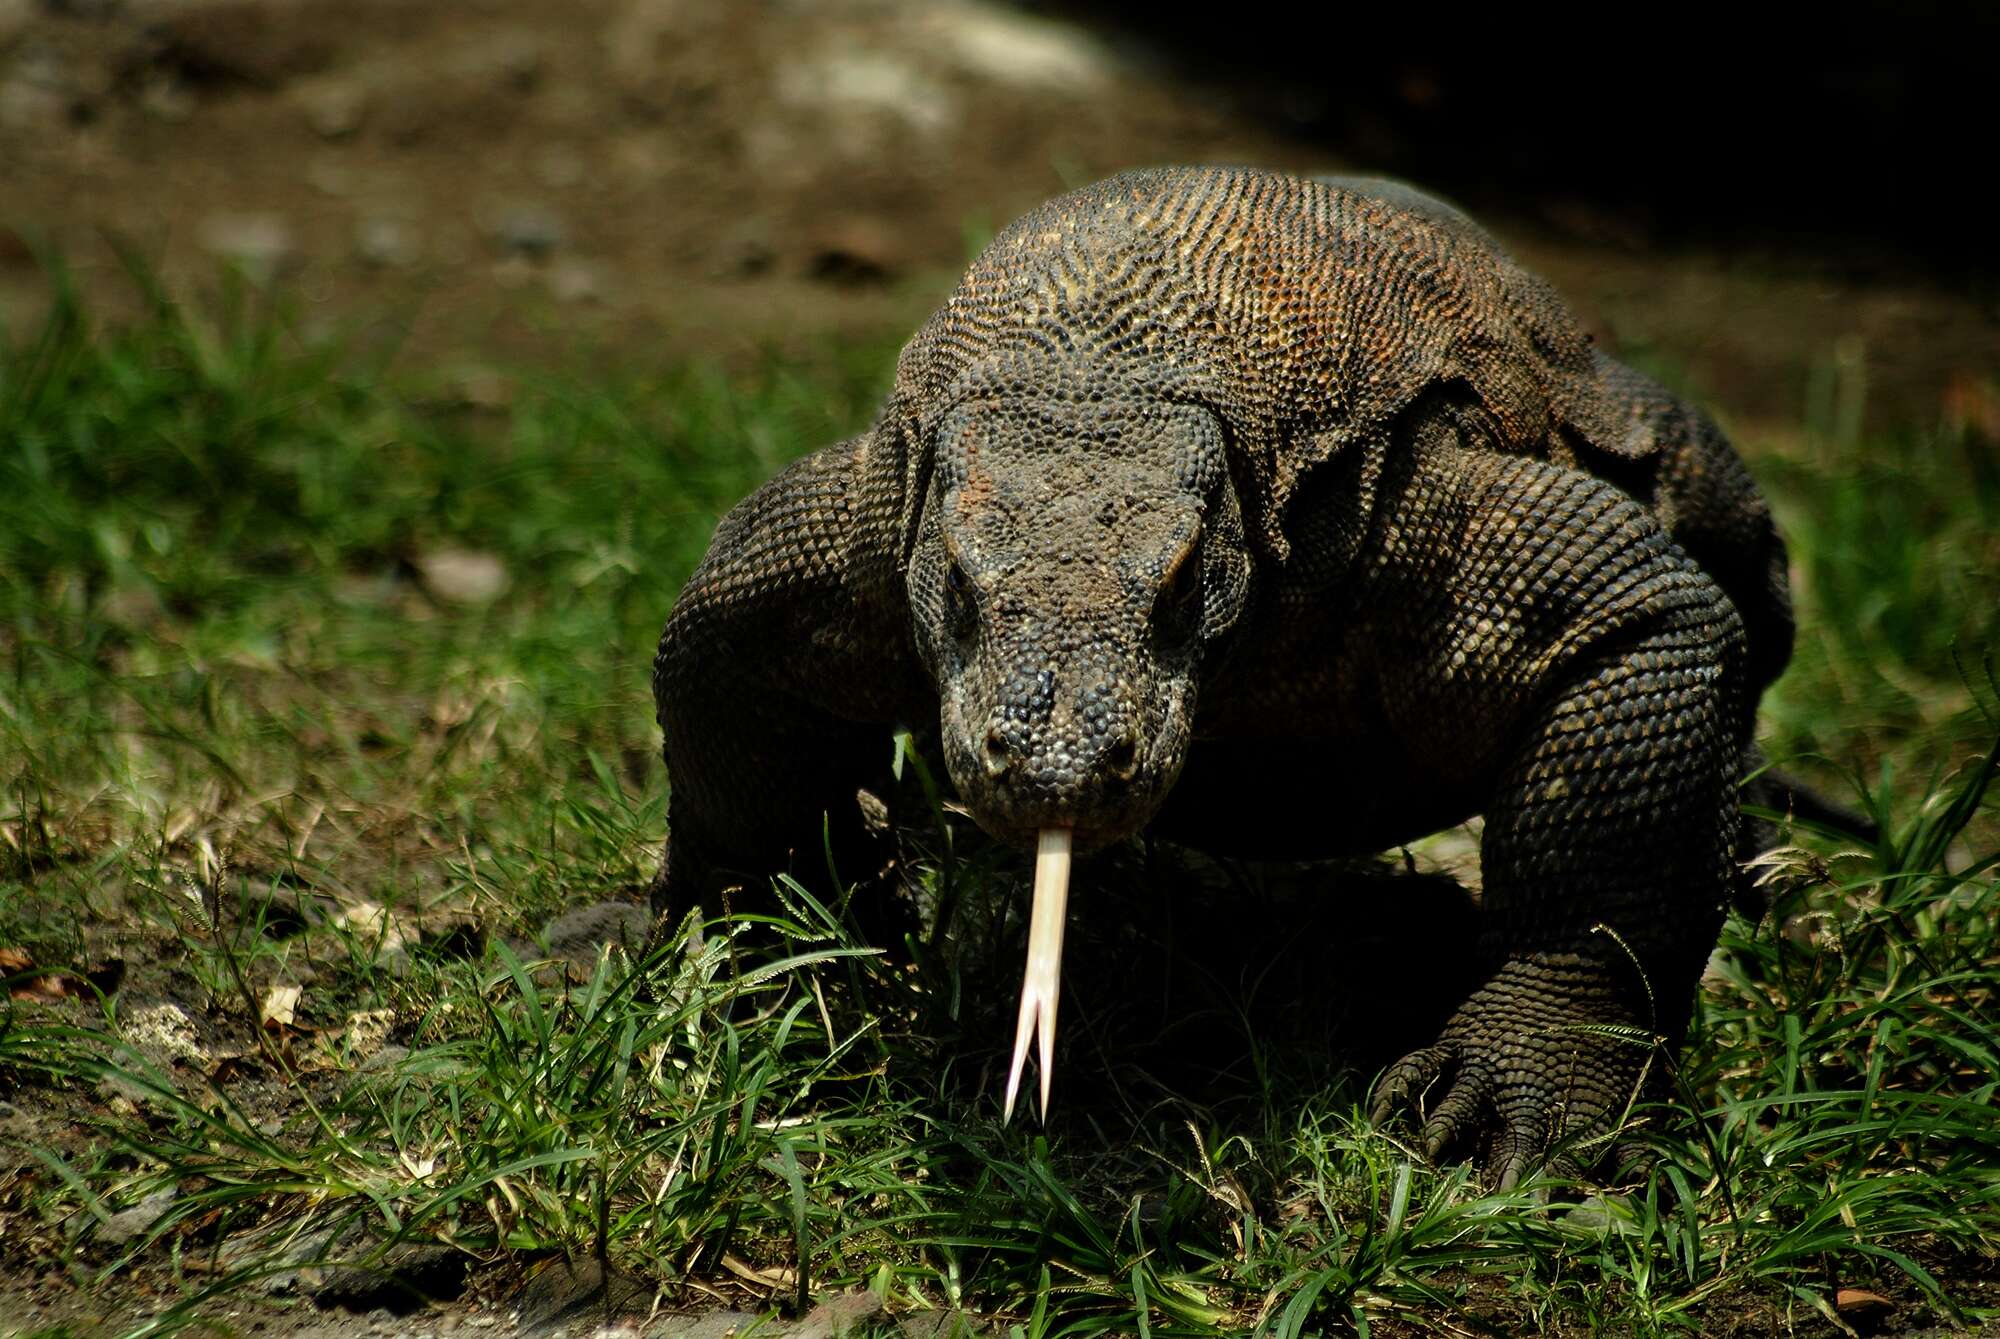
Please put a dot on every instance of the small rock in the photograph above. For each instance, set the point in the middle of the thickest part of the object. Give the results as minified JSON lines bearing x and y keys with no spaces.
{"x":123,"y":1226}
{"x":1602,"y":1214}
{"x":854,"y":250}
{"x":260,"y":245}
{"x":529,"y":230}
{"x":714,"y":1325}
{"x":334,"y":107}
{"x":1021,"y":50}
{"x":462,"y":576}
{"x":560,"y":1294}
{"x":837,"y":1316}
{"x":576,"y":281}
{"x":387,"y":242}
{"x":164,"y":1029}
{"x":243,"y":41}
{"x":514,"y":271}
{"x":579,"y":935}
{"x":263,"y":1247}
{"x":366,"y":1031}
{"x":484,"y":388}
{"x":511,"y":61}
{"x":844,"y":86}
{"x":330,"y":176}
{"x":384,"y":1059}
{"x":122,"y":1095}
{"x":37,"y":89}
{"x":941,"y":1325}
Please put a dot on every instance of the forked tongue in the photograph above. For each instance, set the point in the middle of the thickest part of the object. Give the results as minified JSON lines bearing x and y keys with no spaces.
{"x":1041,"y":984}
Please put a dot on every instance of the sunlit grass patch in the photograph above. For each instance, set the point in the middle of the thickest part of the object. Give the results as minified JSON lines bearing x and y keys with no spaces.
{"x":317,"y":674}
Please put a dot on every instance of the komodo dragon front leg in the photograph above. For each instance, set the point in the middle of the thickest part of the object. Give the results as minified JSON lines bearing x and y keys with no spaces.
{"x":787,"y":655}
{"x":1569,"y":651}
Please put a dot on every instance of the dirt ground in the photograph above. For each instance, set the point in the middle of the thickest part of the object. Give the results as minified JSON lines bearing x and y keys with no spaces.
{"x":494,"y":183}
{"x":501,"y":180}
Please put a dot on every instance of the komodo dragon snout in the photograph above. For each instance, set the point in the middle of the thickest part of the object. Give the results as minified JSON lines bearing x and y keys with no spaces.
{"x":1078,"y":563}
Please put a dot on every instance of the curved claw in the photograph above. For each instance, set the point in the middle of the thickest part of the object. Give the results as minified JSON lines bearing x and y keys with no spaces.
{"x":1465,"y":1119}
{"x":1458,"y":1118}
{"x":1403,"y":1085}
{"x":1515,"y":1157}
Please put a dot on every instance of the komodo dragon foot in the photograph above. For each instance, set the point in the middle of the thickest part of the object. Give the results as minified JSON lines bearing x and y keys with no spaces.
{"x":1517,"y":1080}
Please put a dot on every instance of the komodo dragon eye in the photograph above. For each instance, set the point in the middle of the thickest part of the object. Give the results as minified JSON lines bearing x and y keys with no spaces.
{"x":959,"y":605}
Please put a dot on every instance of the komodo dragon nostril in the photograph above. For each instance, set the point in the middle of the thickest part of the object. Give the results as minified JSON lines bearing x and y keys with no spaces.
{"x":999,"y":757}
{"x":1121,"y":759}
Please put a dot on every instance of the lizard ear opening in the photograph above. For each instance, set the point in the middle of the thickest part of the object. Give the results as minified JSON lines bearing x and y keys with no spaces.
{"x":895,"y":445}
{"x":961,"y":605}
{"x":1177,"y":610}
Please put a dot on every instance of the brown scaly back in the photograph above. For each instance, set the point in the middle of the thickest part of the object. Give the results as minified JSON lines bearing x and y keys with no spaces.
{"x":1309,"y":314}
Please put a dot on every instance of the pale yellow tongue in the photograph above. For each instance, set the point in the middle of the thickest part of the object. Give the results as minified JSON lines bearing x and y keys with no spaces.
{"x":1041,"y":984}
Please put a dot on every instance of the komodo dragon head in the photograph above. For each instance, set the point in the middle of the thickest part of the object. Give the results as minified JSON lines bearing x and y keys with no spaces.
{"x":1079,"y":553}
{"x":1079,"y":559}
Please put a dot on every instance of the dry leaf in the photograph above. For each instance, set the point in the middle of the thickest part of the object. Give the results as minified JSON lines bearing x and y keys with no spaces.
{"x":279,"y":1007}
{"x":1856,"y":1301}
{"x":762,"y":1278}
{"x":105,"y":977}
{"x":40,"y":989}
{"x":232,"y":1065}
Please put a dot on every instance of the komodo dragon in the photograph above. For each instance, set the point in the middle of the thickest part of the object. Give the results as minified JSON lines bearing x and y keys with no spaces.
{"x":1276,"y":517}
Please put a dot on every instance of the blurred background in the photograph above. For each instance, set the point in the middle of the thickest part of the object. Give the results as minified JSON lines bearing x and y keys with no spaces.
{"x":1766,"y":218}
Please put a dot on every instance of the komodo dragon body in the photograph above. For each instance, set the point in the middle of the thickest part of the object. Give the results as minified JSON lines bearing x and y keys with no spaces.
{"x":1276,"y":517}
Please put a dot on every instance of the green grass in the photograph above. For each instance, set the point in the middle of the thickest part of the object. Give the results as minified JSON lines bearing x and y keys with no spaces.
{"x":231,"y":695}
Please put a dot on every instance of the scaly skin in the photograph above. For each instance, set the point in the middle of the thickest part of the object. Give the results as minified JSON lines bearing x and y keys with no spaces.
{"x":1204,"y":470}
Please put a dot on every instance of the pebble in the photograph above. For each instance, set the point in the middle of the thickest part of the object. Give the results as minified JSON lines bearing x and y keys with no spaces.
{"x":389,"y":243}
{"x":334,"y":108}
{"x":462,"y":576}
{"x":164,"y":1028}
{"x":260,"y":244}
{"x":121,"y":1227}
{"x":578,"y":935}
{"x":576,"y":281}
{"x":530,"y":230}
